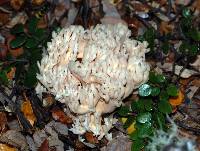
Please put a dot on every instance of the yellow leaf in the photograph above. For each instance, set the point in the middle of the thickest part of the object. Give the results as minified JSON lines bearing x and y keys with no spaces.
{"x":27,"y":110}
{"x":123,"y":119}
{"x":175,"y":101}
{"x":131,"y":128}
{"x":5,"y":147}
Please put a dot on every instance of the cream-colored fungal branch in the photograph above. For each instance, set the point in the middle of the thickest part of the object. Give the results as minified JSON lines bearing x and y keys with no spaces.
{"x":92,"y":71}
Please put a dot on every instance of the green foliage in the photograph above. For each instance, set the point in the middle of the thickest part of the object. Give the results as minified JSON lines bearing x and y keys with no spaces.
{"x":149,"y":36}
{"x":189,"y":46}
{"x":150,"y":110}
{"x":32,"y":40}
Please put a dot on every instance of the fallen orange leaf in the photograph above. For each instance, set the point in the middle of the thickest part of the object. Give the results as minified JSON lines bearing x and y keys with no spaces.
{"x":165,"y":28}
{"x":27,"y":110}
{"x":14,"y":52}
{"x":16,"y":4}
{"x":59,"y":115}
{"x":175,"y":101}
{"x":37,"y":2}
{"x":91,"y":138}
{"x":5,"y":147}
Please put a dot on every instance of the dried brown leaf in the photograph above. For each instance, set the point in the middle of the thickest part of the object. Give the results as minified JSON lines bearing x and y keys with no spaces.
{"x":14,"y":52}
{"x":3,"y":122}
{"x":14,"y":138}
{"x":37,"y":2}
{"x":17,"y":4}
{"x":44,"y":146}
{"x":165,"y":28}
{"x":3,"y":52}
{"x":59,"y":115}
{"x":4,"y":18}
{"x":91,"y":138}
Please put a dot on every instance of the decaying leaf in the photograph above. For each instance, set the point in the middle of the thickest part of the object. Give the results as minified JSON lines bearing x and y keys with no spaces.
{"x":37,"y":2}
{"x":119,"y":143}
{"x":186,"y":73}
{"x":59,"y":115}
{"x":19,"y":18}
{"x":48,"y":100}
{"x":44,"y":146}
{"x":3,"y":51}
{"x":111,"y":14}
{"x":27,"y":110}
{"x":196,"y":5}
{"x":5,"y":147}
{"x":3,"y":122}
{"x":4,"y":18}
{"x":165,"y":28}
{"x":175,"y":101}
{"x":17,"y":4}
{"x":91,"y":138}
{"x":196,"y":64}
{"x":182,"y":2}
{"x":43,"y":22}
{"x":14,"y":52}
{"x":14,"y":138}
{"x":193,"y":90}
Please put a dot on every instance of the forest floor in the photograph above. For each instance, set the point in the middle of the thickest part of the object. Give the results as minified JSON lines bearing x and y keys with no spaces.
{"x":172,"y":29}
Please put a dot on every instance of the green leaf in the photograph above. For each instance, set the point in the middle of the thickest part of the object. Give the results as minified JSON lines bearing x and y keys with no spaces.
{"x":194,"y":34}
{"x":18,"y":41}
{"x":144,"y":130}
{"x":32,"y":25}
{"x":159,"y":119}
{"x":193,"y":51}
{"x":156,"y":78}
{"x":3,"y":77}
{"x":31,"y":43}
{"x":144,"y":90}
{"x":165,"y":47}
{"x":138,"y":106}
{"x":30,"y":77}
{"x":155,"y":91}
{"x":123,"y":111}
{"x":149,"y":36}
{"x":134,"y":136}
{"x":35,"y":55}
{"x":172,"y":90}
{"x":186,"y":13}
{"x":188,"y":49}
{"x":164,"y":107}
{"x":19,"y":28}
{"x":163,"y":96}
{"x":148,"y":103}
{"x":144,"y":117}
{"x":40,"y":34}
{"x":137,"y":145}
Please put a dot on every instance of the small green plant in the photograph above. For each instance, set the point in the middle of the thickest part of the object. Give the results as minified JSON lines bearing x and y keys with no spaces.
{"x":32,"y":39}
{"x":150,"y":110}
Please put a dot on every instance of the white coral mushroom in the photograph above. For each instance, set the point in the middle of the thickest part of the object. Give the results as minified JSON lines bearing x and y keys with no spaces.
{"x":92,"y":71}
